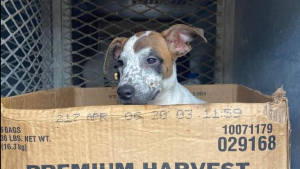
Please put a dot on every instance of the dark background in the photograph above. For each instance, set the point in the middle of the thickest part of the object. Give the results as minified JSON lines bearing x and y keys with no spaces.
{"x":267,"y":53}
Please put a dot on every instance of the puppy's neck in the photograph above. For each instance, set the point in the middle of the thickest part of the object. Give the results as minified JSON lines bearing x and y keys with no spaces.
{"x":174,"y":93}
{"x":170,"y":88}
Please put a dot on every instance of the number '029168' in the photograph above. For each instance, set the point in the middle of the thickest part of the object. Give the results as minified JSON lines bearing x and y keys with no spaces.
{"x":261,"y":143}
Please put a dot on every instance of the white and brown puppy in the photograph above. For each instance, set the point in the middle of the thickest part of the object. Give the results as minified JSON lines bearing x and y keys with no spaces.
{"x":147,"y":66}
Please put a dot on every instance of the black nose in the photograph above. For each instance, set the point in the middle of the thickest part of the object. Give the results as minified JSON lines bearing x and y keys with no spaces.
{"x":125,"y":92}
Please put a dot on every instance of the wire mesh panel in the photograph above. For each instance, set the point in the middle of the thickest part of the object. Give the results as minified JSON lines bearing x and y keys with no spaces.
{"x":26,"y":46}
{"x":93,"y":24}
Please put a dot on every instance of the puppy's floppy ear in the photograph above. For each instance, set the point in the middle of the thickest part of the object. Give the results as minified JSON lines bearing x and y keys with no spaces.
{"x":113,"y":52}
{"x":178,"y":38}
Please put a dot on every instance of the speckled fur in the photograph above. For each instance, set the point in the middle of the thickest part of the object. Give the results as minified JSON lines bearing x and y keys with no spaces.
{"x":148,"y":82}
{"x":145,"y":81}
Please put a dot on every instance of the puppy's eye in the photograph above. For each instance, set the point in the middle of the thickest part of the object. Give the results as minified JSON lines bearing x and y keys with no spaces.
{"x":151,"y":60}
{"x":121,"y":63}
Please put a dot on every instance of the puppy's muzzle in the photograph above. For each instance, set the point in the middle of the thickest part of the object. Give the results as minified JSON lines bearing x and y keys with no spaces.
{"x":125,"y":92}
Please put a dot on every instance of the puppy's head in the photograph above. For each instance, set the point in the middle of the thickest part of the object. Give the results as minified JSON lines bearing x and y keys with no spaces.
{"x":147,"y":58}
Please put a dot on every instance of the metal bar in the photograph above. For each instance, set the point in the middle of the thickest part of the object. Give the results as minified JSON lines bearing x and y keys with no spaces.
{"x":225,"y":40}
{"x":229,"y":39}
{"x":46,"y":64}
{"x":66,"y":27}
{"x":57,"y":44}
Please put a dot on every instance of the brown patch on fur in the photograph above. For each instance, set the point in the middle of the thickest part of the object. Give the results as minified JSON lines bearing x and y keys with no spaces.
{"x":158,"y":43}
{"x":123,"y":42}
{"x":113,"y":52}
{"x":116,"y":47}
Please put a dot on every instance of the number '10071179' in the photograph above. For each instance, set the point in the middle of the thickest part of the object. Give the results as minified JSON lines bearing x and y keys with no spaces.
{"x":248,"y":129}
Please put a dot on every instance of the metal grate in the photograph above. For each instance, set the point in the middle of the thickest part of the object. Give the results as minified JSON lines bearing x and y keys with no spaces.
{"x":46,"y":44}
{"x":91,"y":25}
{"x":26,"y":46}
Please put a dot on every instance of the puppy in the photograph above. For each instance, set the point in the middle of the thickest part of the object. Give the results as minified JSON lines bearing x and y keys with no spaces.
{"x":146,"y":62}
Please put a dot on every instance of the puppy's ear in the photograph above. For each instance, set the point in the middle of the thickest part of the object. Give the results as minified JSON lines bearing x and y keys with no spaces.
{"x":113,"y":52}
{"x":116,"y":47}
{"x":178,"y":38}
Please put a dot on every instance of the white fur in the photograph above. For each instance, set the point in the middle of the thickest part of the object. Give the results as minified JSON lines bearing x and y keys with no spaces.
{"x":174,"y":93}
{"x":147,"y":81}
{"x":133,"y":69}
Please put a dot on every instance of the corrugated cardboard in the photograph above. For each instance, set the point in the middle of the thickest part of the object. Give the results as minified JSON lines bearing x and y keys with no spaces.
{"x":74,"y":128}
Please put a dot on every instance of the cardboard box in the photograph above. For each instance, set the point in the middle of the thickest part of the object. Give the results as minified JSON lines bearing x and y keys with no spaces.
{"x":74,"y":128}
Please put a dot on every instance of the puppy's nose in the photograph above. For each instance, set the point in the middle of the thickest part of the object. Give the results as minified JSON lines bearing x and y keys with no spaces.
{"x":125,"y":92}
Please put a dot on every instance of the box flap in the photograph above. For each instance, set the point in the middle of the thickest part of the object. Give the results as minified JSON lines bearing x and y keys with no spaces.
{"x":247,"y":95}
{"x":48,"y":99}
